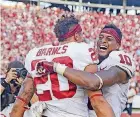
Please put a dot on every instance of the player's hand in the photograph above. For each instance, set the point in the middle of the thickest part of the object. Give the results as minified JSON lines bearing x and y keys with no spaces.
{"x":11,"y":75}
{"x":44,"y":67}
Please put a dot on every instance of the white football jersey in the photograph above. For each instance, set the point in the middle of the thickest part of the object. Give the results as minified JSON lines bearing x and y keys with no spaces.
{"x":6,"y":112}
{"x":63,"y":98}
{"x":116,"y":95}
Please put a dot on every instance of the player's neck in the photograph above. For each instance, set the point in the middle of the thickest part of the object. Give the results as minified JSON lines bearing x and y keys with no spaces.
{"x":102,"y":58}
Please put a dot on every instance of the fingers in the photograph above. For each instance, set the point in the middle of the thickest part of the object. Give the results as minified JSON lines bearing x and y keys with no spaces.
{"x":13,"y":71}
{"x":40,"y":68}
{"x":19,"y":81}
{"x":44,"y":68}
{"x":12,"y":74}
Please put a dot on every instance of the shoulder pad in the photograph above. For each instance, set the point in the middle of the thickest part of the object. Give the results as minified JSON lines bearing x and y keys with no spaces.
{"x":123,"y":60}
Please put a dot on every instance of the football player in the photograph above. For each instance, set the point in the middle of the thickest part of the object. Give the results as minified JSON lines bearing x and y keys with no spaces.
{"x":115,"y":68}
{"x":58,"y":96}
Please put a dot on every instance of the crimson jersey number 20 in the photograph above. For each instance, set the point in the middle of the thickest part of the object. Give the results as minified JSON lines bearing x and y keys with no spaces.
{"x":52,"y":84}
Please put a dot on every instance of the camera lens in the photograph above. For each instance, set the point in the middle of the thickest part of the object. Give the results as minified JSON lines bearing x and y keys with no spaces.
{"x":23,"y":73}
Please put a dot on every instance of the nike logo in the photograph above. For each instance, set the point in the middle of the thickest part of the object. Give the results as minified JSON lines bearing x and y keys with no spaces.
{"x":103,"y":68}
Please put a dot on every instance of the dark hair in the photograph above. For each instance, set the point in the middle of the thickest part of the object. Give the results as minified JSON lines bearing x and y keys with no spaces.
{"x":115,"y":28}
{"x":63,"y":26}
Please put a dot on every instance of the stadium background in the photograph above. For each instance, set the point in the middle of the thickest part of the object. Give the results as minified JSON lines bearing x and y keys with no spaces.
{"x":26,"y":24}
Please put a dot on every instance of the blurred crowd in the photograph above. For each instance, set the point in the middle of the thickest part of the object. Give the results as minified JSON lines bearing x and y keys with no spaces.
{"x":25,"y":28}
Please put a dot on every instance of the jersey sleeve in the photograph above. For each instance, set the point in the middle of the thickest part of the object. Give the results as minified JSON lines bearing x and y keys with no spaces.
{"x":91,"y":54}
{"x":124,"y":61}
{"x":86,"y":55}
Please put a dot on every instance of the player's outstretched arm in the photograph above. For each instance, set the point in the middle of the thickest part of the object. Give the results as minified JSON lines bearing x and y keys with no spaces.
{"x":23,"y":98}
{"x":88,"y":80}
{"x":97,"y":80}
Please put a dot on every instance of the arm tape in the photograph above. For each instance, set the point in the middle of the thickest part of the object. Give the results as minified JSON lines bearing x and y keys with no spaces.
{"x":100,"y":79}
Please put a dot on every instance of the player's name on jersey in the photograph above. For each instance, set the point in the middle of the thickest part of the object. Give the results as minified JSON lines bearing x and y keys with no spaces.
{"x":52,"y":50}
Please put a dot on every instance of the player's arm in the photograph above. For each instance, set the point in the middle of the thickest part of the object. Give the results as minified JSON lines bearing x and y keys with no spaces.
{"x":88,"y":80}
{"x":120,"y":72}
{"x":93,"y":81}
{"x":34,"y":99}
{"x":26,"y":91}
{"x":98,"y":102}
{"x":23,"y":98}
{"x":101,"y":107}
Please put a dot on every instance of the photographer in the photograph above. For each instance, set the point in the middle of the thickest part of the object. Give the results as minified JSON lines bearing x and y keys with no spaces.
{"x":11,"y":84}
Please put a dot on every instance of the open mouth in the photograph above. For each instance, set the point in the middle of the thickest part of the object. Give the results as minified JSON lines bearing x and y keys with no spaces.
{"x":103,"y":48}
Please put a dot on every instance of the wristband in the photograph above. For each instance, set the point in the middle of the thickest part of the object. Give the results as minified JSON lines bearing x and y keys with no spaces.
{"x":4,"y":84}
{"x":25,"y":107}
{"x":59,"y":68}
{"x":101,"y":81}
{"x":96,"y":95}
{"x":22,"y":99}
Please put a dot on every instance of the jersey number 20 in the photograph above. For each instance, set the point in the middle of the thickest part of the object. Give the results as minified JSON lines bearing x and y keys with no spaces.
{"x":54,"y":81}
